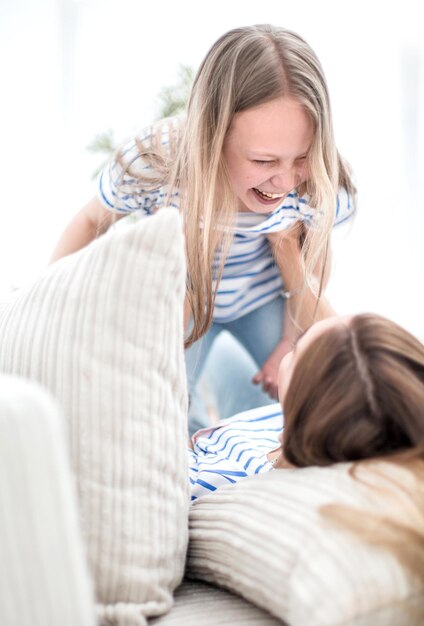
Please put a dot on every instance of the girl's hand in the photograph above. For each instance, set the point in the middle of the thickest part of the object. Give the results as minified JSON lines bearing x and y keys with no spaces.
{"x":268,"y":374}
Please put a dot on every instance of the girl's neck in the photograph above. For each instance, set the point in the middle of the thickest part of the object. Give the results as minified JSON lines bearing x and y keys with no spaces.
{"x":242,"y":208}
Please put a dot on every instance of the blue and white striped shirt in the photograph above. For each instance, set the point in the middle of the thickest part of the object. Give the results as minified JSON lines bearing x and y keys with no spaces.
{"x":233,"y":449}
{"x":251,"y":278}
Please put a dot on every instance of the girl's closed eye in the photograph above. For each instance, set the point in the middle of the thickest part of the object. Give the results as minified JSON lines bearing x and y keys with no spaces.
{"x":301,"y":160}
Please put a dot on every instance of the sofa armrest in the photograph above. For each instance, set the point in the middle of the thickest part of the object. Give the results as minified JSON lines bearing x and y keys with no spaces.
{"x":44,"y":579}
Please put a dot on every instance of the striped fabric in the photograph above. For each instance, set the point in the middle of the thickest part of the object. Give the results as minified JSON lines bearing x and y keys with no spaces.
{"x":233,"y":449}
{"x":265,"y":539}
{"x":251,"y":278}
{"x":102,"y":329}
{"x":121,"y":193}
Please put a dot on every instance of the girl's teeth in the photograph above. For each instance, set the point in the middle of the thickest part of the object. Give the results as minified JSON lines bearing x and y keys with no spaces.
{"x":269,"y":196}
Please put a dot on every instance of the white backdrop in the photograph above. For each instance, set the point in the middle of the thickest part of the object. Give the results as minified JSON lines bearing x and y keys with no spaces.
{"x":72,"y":69}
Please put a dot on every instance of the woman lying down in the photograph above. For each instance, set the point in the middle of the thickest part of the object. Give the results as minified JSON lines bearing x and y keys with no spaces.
{"x":352,"y":389}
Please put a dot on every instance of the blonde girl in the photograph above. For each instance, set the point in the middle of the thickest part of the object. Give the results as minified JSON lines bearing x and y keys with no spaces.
{"x":253,"y":168}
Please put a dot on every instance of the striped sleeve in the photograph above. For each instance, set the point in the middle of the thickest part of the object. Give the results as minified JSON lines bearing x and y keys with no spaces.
{"x":233,"y":449}
{"x":119,"y":186}
{"x":345,"y":207}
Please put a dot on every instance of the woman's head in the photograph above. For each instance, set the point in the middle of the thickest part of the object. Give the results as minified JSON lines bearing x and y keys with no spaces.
{"x":353,"y":389}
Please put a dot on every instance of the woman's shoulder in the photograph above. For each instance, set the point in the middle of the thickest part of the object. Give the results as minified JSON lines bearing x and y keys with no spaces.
{"x":255,"y":423}
{"x":233,"y":449}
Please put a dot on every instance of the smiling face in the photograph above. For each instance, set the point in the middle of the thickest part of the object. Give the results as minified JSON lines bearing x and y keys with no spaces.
{"x":265,"y":152}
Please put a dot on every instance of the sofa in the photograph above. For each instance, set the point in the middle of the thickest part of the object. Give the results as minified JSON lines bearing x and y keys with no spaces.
{"x":96,"y":524}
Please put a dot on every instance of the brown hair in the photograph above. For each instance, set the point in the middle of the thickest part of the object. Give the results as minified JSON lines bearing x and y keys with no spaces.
{"x":357,"y":392}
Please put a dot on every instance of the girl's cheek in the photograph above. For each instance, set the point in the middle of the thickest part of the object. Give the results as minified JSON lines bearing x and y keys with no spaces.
{"x":304,"y":173}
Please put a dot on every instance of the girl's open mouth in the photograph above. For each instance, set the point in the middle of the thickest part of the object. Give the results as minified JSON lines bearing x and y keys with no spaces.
{"x":268,"y":198}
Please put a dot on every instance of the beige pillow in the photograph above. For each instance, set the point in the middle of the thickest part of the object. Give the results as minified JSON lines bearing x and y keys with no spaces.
{"x":265,"y":539}
{"x":200,"y":604}
{"x":103,"y":330}
{"x":43,"y":574}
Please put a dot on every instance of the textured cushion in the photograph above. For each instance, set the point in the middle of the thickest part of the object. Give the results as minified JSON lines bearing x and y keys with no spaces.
{"x":43,"y":574}
{"x":266,"y":539}
{"x":199,"y":604}
{"x":103,"y":330}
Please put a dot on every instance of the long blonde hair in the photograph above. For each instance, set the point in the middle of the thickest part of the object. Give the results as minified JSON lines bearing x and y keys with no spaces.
{"x":245,"y":68}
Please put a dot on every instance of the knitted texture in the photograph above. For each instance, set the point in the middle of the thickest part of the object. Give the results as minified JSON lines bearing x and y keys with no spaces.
{"x":199,"y":604}
{"x":44,"y":579}
{"x":265,"y":539}
{"x":102,"y":329}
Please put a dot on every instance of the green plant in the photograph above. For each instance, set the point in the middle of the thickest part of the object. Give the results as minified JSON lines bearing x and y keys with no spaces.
{"x":171,"y":101}
{"x":103,"y":143}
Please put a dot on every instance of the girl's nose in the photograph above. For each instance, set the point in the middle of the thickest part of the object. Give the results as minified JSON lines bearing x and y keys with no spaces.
{"x":285,"y":180}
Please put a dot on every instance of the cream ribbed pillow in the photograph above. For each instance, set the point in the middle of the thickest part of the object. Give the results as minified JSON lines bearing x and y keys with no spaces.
{"x":43,"y":574}
{"x":103,"y":330}
{"x":265,"y":539}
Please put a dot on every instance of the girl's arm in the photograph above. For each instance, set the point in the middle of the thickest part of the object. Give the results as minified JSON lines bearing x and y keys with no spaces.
{"x":267,"y":376}
{"x":92,"y":220}
{"x":287,"y":254}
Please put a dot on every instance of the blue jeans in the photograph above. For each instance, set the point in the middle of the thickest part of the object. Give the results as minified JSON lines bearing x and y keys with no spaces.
{"x":229,"y":360}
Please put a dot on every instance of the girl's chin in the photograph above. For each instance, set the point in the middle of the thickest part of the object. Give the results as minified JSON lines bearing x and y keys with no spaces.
{"x":254,"y":208}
